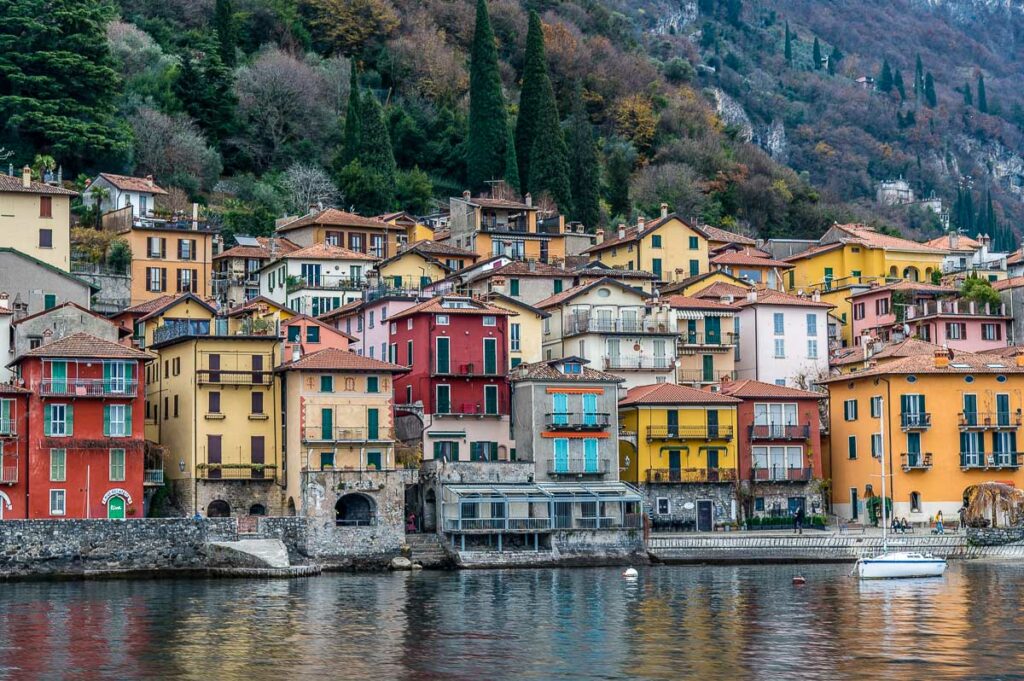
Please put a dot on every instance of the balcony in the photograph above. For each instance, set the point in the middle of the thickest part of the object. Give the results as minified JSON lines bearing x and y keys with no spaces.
{"x":694,"y":341}
{"x":915,"y":421}
{"x":699,"y":376}
{"x":638,"y":363}
{"x":340,"y":434}
{"x":1002,"y":420}
{"x":476,"y":409}
{"x":237,"y":471}
{"x":689,"y":433}
{"x":576,"y":421}
{"x":780,"y":432}
{"x":8,"y":428}
{"x":234,"y":377}
{"x":468,"y":369}
{"x":9,"y":471}
{"x":916,"y":461}
{"x":512,"y":225}
{"x":954,"y":308}
{"x":87,"y":387}
{"x":578,"y":466}
{"x":781,"y":474}
{"x":991,"y":461}
{"x":326,"y":282}
{"x":576,"y":324}
{"x":153,"y":477}
{"x":630,"y":521}
{"x":669,"y":475}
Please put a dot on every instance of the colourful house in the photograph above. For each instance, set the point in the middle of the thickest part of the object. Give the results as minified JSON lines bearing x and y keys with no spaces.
{"x":961,"y":324}
{"x":669,"y":247}
{"x":36,"y":218}
{"x":334,"y":227}
{"x":305,"y":335}
{"x":752,"y":265}
{"x":421,"y":264}
{"x":494,"y":225}
{"x":879,"y":312}
{"x":525,"y":330}
{"x":14,"y":452}
{"x":707,"y":344}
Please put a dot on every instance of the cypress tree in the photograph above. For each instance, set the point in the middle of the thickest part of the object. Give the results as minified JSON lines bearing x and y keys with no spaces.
{"x":488,"y":119}
{"x":535,"y":73}
{"x":584,"y":169}
{"x":918,"y":78}
{"x":816,"y":54}
{"x":512,"y":163}
{"x":619,"y":160}
{"x":789,"y":46}
{"x":833,"y":60}
{"x":206,"y":94}
{"x":350,"y":138}
{"x":374,"y":148}
{"x":968,"y":99}
{"x":897,"y":81}
{"x":982,"y":99}
{"x":929,"y":91}
{"x":227,"y":35}
{"x":884,"y":82}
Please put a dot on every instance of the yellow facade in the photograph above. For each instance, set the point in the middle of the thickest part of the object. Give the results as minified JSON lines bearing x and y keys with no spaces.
{"x":687,"y":451}
{"x":526,"y":330}
{"x":706,"y":358}
{"x":165,"y":261}
{"x":28,"y":221}
{"x":926,"y":465}
{"x":671,"y":249}
{"x":410,"y":270}
{"x":718,"y":276}
{"x":483,"y":246}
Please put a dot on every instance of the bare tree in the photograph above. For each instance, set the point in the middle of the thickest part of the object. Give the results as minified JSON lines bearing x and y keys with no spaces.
{"x":308,"y":185}
{"x":172,"y":145}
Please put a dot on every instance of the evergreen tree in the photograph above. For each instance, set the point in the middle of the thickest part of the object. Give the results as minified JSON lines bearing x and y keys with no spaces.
{"x":488,"y":119}
{"x":206,"y":92}
{"x":929,"y":91}
{"x":816,"y":54}
{"x":968,"y":99}
{"x":535,"y":80}
{"x":227,"y":35}
{"x":57,"y":85}
{"x":706,"y":7}
{"x":982,"y":99}
{"x":789,"y":46}
{"x":833,"y":60}
{"x":918,"y":79}
{"x":350,"y":138}
{"x":374,"y":148}
{"x":512,"y":163}
{"x":619,"y":159}
{"x":897,"y":81}
{"x":884,"y":82}
{"x":584,"y":169}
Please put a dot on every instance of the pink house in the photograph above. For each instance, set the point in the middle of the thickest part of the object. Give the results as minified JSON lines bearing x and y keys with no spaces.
{"x":960,"y":324}
{"x":879,"y":311}
{"x":369,"y":324}
{"x":308,"y":334}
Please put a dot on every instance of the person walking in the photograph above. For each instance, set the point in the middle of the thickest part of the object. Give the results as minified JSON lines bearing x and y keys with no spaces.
{"x":938,"y":523}
{"x":798,"y":520}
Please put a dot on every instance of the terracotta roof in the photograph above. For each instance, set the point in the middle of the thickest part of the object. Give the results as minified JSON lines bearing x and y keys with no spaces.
{"x":771,"y":297}
{"x":254,"y":303}
{"x":742,"y":258}
{"x":6,"y":311}
{"x":155,"y":312}
{"x":717,"y":234}
{"x":1016,"y":257}
{"x":598,"y":269}
{"x":435,"y":306}
{"x":961,"y":363}
{"x":720,"y":289}
{"x":717,"y":275}
{"x":519,"y":268}
{"x":319,"y":322}
{"x":282,"y":247}
{"x":749,"y":388}
{"x":487,"y":202}
{"x":132,"y":184}
{"x":499,"y":298}
{"x":630,"y":234}
{"x":1003,"y":284}
{"x":905,"y":348}
{"x":329,"y":252}
{"x":814,"y":250}
{"x":568,"y":294}
{"x":904,"y":285}
{"x":439,"y":248}
{"x":86,"y":346}
{"x":547,"y":371}
{"x":10,"y":183}
{"x":1006,"y":351}
{"x":343,"y":311}
{"x":332,"y":359}
{"x":150,"y":305}
{"x":442,"y":234}
{"x":337,"y":218}
{"x":945,"y":242}
{"x":695,"y":303}
{"x":670,"y":393}
{"x":873,"y":238}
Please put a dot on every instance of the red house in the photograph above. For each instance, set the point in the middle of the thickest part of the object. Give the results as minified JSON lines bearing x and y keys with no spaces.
{"x":13,"y":452}
{"x":779,"y":446}
{"x":85,"y":428}
{"x":458,"y":350}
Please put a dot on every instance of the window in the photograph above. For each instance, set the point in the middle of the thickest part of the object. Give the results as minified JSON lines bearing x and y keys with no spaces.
{"x":443,"y":399}
{"x":558,"y":286}
{"x":327,"y":384}
{"x":780,"y":347}
{"x":858,"y":311}
{"x":155,"y":247}
{"x":46,"y":238}
{"x":213,"y":403}
{"x":656,"y":241}
{"x":371,"y":319}
{"x":759,"y":504}
{"x":490,"y":399}
{"x":915,"y":502}
{"x":294,"y":334}
{"x":175,"y":406}
{"x":513,"y":287}
{"x":441,"y":355}
{"x":779,"y":323}
{"x":812,"y":349}
{"x":57,"y":420}
{"x":372,"y":384}
{"x":116,"y":465}
{"x":46,"y":206}
{"x":665,"y":506}
{"x":49,"y":301}
{"x":186,"y":281}
{"x":490,"y":355}
{"x":876,"y":445}
{"x":441,"y":319}
{"x":408,"y":352}
{"x":447,"y":451}
{"x":694,"y":268}
{"x":117,"y":420}
{"x":694,"y":243}
{"x":155,"y":279}
{"x":515,"y":337}
{"x":57,"y":499}
{"x":876,"y":407}
{"x":956,"y":331}
{"x":991,"y":332}
{"x":850,"y":410}
{"x":812,"y":325}
{"x":852,"y":446}
{"x":256,"y":403}
{"x":186,"y":249}
{"x":490,"y":320}
{"x":58,"y":465}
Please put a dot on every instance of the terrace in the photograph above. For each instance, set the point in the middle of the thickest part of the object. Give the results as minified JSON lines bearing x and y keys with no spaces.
{"x":700,"y":432}
{"x":691,"y":475}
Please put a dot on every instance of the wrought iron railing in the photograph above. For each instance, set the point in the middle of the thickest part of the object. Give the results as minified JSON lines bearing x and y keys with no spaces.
{"x":578,"y":466}
{"x":706,"y":432}
{"x":691,"y":475}
{"x":87,"y":387}
{"x":780,"y":432}
{"x":577,"y":420}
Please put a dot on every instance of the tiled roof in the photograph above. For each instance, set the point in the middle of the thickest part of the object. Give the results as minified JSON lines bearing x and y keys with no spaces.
{"x":720,"y":289}
{"x":547,"y":371}
{"x":69,"y":303}
{"x":814,"y":250}
{"x":329,"y":252}
{"x":905,"y":348}
{"x":440,"y":248}
{"x":299,"y":318}
{"x":771,"y":297}
{"x":519,"y":268}
{"x":717,"y":234}
{"x":670,"y":393}
{"x":10,"y":183}
{"x":435,"y":306}
{"x":487,"y":202}
{"x":1003,"y":284}
{"x":168,"y":301}
{"x":873,"y":238}
{"x":568,"y":294}
{"x":630,"y":234}
{"x":132,"y":184}
{"x":254,"y":303}
{"x":499,"y":298}
{"x":85,"y":346}
{"x":336,"y":218}
{"x":750,"y":389}
{"x":263,"y":251}
{"x":1016,"y":257}
{"x":743,"y":258}
{"x":332,"y":359}
{"x":905,"y":285}
{"x":1007,"y":351}
{"x":945,"y":242}
{"x":150,"y":305}
{"x":343,"y":311}
{"x":961,"y":363}
{"x":695,"y":303}
{"x":595,"y":269}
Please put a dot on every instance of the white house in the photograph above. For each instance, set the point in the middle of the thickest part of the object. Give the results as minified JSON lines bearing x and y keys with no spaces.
{"x":610,"y":324}
{"x":123,"y":190}
{"x":316,"y":279}
{"x":783,"y":338}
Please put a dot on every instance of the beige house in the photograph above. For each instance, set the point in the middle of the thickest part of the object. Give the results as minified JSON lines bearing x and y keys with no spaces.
{"x":35,"y":219}
{"x":524,"y":330}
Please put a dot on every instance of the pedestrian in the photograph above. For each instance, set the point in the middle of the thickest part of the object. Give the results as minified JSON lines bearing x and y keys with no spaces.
{"x":410,"y":524}
{"x":938,"y":523}
{"x":798,"y":520}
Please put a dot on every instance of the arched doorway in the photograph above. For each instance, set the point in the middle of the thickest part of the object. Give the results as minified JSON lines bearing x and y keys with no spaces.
{"x":429,"y":511}
{"x":893,"y":272}
{"x":355,"y":510}
{"x":218,"y":509}
{"x":115,"y":507}
{"x":911,"y":274}
{"x":257,"y":509}
{"x":291,"y":506}
{"x":5,"y":504}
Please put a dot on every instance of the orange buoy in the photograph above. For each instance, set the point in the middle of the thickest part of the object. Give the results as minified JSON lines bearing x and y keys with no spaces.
{"x":799,"y":579}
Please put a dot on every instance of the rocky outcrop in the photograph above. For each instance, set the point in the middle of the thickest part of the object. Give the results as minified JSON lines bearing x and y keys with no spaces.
{"x":732,"y":113}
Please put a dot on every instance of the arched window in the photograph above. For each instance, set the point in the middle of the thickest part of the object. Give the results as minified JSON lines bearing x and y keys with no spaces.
{"x":257,"y":509}
{"x":915,"y":502}
{"x":350,"y":384}
{"x":218,"y":509}
{"x":291,"y":506}
{"x":355,"y":510}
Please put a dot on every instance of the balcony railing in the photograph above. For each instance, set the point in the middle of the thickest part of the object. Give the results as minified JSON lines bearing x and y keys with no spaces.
{"x":87,"y":387}
{"x":578,"y":466}
{"x":514,"y":225}
{"x":957,"y":308}
{"x":1002,"y":420}
{"x":216,"y":471}
{"x":781,"y":474}
{"x":470,"y":409}
{"x":576,"y":421}
{"x":707,"y":340}
{"x":8,"y":428}
{"x":699,"y":376}
{"x":723,"y":432}
{"x":234,"y":377}
{"x":691,"y":475}
{"x":153,"y":476}
{"x":915,"y":421}
{"x":345,"y":434}
{"x":326,"y":282}
{"x":9,"y":472}
{"x":368,"y":520}
{"x":992,"y":460}
{"x":780,"y":432}
{"x":472,"y":369}
{"x":916,"y":461}
{"x":638,"y":362}
{"x":575,"y":324}
{"x":629,"y":521}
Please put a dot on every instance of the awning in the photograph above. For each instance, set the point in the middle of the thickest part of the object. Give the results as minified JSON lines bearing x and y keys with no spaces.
{"x":547,"y":491}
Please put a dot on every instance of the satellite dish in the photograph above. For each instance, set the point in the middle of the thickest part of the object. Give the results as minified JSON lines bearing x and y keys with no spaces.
{"x":688,"y":505}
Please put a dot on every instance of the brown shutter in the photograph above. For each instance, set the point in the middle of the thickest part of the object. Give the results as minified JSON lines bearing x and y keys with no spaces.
{"x":192,"y":251}
{"x":163,"y":278}
{"x":163,"y":248}
{"x":213,"y":454}
{"x":195,"y":279}
{"x":178,"y":274}
{"x":257,"y":454}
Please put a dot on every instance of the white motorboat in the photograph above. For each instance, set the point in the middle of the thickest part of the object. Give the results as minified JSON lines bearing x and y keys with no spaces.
{"x":896,"y":564}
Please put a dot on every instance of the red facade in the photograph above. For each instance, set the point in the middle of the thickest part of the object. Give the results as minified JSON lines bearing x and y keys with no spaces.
{"x":14,"y":455}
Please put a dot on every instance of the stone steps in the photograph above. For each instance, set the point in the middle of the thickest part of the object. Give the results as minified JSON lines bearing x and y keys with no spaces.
{"x":426,"y":549}
{"x":259,"y":553}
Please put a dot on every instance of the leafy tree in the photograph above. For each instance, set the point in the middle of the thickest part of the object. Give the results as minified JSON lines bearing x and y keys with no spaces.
{"x":226,"y":30}
{"x":57,"y":84}
{"x":733,"y":11}
{"x":816,"y":54}
{"x":345,"y":26}
{"x":706,"y":7}
{"x":982,"y":99}
{"x":679,"y":71}
{"x":789,"y":46}
{"x":206,"y":94}
{"x":119,"y":255}
{"x":884,"y":82}
{"x":584,"y":169}
{"x":897,"y":81}
{"x":414,"y":191}
{"x":929,"y":91}
{"x":363,"y":190}
{"x":488,"y":119}
{"x":980,"y":291}
{"x":968,"y":98}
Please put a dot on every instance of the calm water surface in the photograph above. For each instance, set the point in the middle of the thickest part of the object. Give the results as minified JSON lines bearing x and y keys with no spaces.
{"x":674,"y":622}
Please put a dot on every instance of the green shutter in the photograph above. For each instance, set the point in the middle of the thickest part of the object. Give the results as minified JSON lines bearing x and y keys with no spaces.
{"x":128,"y":420}
{"x":513,"y":287}
{"x":373,"y":383}
{"x":326,"y":424}
{"x":491,"y":399}
{"x":70,"y":419}
{"x":106,"y":376}
{"x":106,"y":421}
{"x":490,"y":356}
{"x":442,"y":359}
{"x":372,"y":424}
{"x":46,"y":420}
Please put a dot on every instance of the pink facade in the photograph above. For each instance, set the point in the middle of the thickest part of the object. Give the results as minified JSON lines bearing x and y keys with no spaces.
{"x":370,"y":328}
{"x":879,"y":311}
{"x":871,"y":309}
{"x":308,"y":335}
{"x":960,"y":325}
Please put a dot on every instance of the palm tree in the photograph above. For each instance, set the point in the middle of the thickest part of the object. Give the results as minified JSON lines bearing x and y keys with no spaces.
{"x":986,"y":501}
{"x":101,"y":194}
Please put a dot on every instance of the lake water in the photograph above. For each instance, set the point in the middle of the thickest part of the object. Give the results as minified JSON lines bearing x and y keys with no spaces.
{"x":673,"y":622}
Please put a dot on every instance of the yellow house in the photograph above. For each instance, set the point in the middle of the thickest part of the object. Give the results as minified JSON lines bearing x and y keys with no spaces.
{"x":752,"y":265}
{"x":421,"y":264}
{"x":339,"y":228}
{"x":414,"y":229}
{"x":492,"y":226}
{"x":942,"y":422}
{"x":338,"y":416}
{"x":525,"y":330}
{"x":679,"y":445}
{"x":849,"y":258}
{"x":706,"y":349}
{"x":212,"y":402}
{"x":35,"y":218}
{"x":669,"y":247}
{"x":715,"y":284}
{"x":169,"y":258}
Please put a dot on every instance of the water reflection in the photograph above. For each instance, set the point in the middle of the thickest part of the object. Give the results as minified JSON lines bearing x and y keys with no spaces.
{"x":696,"y":622}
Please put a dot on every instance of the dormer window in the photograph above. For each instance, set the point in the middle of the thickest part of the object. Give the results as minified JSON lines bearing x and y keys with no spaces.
{"x":572,"y":368}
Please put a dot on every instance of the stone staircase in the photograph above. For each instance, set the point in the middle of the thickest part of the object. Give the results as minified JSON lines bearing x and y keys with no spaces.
{"x":427,"y":550}
{"x":251,"y":553}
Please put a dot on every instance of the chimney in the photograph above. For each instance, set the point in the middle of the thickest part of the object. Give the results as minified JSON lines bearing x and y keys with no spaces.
{"x":26,"y":177}
{"x":752,"y":296}
{"x":5,"y":301}
{"x":640,"y":221}
{"x":529,"y":199}
{"x":816,"y":296}
{"x":466,"y":195}
{"x":195,"y":216}
{"x":1020,"y":357}
{"x":149,"y":180}
{"x":600,"y":235}
{"x":954,"y":240}
{"x":532,"y":265}
{"x":622,"y":231}
{"x":942,"y":359}
{"x":296,"y":352}
{"x":664,"y":210}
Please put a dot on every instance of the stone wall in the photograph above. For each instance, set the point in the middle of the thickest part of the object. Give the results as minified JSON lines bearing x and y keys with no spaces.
{"x":994,"y":536}
{"x":240,"y":495}
{"x":777,"y":495}
{"x":115,"y":292}
{"x":470,"y":472}
{"x":722,"y":495}
{"x":575,"y":547}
